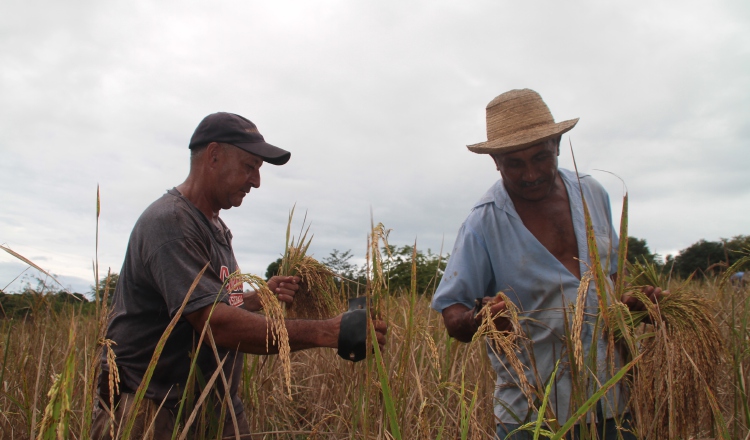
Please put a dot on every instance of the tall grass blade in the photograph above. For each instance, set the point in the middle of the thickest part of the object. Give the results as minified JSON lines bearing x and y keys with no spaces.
{"x":591,"y":402}
{"x":545,"y":401}
{"x":385,"y":387}
{"x":34,"y":265}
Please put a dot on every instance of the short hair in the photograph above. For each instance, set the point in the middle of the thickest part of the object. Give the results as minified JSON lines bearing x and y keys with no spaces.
{"x":198,"y":150}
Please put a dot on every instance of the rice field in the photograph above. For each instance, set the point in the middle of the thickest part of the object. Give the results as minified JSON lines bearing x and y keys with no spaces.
{"x":688,"y":369}
{"x":436,"y":387}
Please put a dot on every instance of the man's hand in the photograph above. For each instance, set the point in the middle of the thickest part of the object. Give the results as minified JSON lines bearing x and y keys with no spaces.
{"x":283,"y":287}
{"x":496,"y":306}
{"x":381,"y":328}
{"x":654,"y":294}
{"x":462,"y":322}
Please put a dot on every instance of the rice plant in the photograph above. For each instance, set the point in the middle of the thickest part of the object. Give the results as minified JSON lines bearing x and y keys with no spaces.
{"x":687,"y":370}
{"x":318,"y":296}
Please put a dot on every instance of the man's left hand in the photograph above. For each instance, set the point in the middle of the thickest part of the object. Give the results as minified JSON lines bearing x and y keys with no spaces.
{"x":655,"y":294}
{"x":284,"y":287}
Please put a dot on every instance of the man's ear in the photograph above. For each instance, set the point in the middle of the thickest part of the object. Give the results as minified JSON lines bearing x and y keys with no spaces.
{"x":213,"y":150}
{"x":497,"y":161}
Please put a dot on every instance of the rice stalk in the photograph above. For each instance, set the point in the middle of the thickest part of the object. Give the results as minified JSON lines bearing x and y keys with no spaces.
{"x":36,"y":387}
{"x":577,"y":328}
{"x":226,"y":398}
{"x":681,"y":365}
{"x":591,"y":402}
{"x":505,"y":343}
{"x":385,"y":386}
{"x":55,"y":424}
{"x":201,"y":399}
{"x":276,"y":332}
{"x":317,"y":297}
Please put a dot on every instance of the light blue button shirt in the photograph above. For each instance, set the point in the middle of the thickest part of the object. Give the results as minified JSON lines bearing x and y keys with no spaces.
{"x":495,"y":252}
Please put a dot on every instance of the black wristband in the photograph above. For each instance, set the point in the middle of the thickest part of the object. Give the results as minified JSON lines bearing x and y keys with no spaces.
{"x":353,"y":331}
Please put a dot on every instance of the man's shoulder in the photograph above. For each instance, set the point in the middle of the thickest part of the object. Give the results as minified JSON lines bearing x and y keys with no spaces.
{"x":168,"y":217}
{"x":163,"y":209}
{"x":496,"y":195}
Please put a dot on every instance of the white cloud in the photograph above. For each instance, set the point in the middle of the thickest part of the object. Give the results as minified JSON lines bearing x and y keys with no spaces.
{"x":376,"y":101}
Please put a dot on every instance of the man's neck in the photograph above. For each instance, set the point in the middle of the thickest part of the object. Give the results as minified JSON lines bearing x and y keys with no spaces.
{"x":190,"y":189}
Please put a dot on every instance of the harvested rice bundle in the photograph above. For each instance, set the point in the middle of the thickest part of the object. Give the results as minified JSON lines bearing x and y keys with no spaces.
{"x":506,"y":342}
{"x":276,"y":332}
{"x":677,"y":378}
{"x":318,"y":295}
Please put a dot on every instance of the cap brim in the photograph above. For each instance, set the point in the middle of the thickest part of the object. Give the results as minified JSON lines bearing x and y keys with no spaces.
{"x":523,"y":139}
{"x":269,"y":153}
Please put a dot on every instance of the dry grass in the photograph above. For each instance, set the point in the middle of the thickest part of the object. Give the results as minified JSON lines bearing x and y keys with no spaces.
{"x":432,"y":378}
{"x":426,"y":386}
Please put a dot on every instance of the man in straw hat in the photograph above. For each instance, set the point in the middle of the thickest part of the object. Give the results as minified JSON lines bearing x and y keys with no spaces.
{"x":175,"y":239}
{"x":526,"y":238}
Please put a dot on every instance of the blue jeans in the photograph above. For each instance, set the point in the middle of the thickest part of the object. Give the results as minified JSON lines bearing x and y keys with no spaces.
{"x":607,"y":430}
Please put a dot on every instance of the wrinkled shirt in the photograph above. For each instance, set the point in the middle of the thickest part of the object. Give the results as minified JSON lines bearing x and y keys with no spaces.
{"x":495,"y":252}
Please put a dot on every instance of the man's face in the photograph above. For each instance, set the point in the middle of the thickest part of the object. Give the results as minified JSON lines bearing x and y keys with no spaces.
{"x":239,"y":171}
{"x":531,"y":173}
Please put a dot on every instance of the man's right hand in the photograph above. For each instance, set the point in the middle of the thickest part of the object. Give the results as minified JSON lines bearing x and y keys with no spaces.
{"x":462,"y":322}
{"x":496,"y":306}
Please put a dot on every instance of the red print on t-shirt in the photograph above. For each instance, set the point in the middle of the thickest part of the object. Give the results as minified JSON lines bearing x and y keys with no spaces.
{"x":234,"y":287}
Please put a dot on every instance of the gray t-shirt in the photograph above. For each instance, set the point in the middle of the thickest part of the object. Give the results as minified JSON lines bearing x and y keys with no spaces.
{"x":169,"y":245}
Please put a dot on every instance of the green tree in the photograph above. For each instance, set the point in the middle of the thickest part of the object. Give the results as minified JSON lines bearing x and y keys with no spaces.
{"x":104,"y":284}
{"x":710,"y":257}
{"x":273,"y":269}
{"x":349,"y":274}
{"x":638,"y":251}
{"x":398,"y":264}
{"x":339,"y":263}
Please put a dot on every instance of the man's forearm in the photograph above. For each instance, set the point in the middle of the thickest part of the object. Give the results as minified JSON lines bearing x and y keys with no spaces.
{"x":235,"y":328}
{"x":251,"y":301}
{"x":460,"y":323}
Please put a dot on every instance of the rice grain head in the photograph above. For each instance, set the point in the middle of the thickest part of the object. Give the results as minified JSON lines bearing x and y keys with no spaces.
{"x":318,"y":296}
{"x":506,"y":342}
{"x":681,"y":366}
{"x":276,"y":332}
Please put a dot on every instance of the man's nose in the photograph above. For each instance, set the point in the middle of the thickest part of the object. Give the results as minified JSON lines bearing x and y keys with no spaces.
{"x":255,"y":180}
{"x":530,"y":174}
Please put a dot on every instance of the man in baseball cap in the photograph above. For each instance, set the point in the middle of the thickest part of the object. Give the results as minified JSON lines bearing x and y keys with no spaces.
{"x":175,"y":239}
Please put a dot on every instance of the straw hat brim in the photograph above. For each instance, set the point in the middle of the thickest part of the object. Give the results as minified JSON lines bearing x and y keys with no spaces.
{"x":523,"y":139}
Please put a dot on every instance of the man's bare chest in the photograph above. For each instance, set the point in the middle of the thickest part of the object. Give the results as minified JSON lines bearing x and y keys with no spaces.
{"x":552,"y":225}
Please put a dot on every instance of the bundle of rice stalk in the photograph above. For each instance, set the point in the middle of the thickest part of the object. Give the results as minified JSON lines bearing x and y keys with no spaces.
{"x":676,"y":381}
{"x":318,"y":296}
{"x":276,"y":330}
{"x":506,"y":342}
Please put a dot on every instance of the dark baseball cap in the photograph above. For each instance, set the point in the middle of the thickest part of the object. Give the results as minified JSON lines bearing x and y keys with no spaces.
{"x":234,"y":129}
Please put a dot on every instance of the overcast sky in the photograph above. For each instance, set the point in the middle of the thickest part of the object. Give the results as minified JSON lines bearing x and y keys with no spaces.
{"x":376,"y":101}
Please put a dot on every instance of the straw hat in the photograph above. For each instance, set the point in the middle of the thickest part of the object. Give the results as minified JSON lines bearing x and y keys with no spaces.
{"x":516,"y":120}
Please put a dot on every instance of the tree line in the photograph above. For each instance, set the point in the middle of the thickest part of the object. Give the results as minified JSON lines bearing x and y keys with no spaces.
{"x":702,"y":258}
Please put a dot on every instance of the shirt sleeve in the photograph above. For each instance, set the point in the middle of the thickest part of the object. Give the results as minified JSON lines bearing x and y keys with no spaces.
{"x":468,"y":273}
{"x":174,"y":267}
